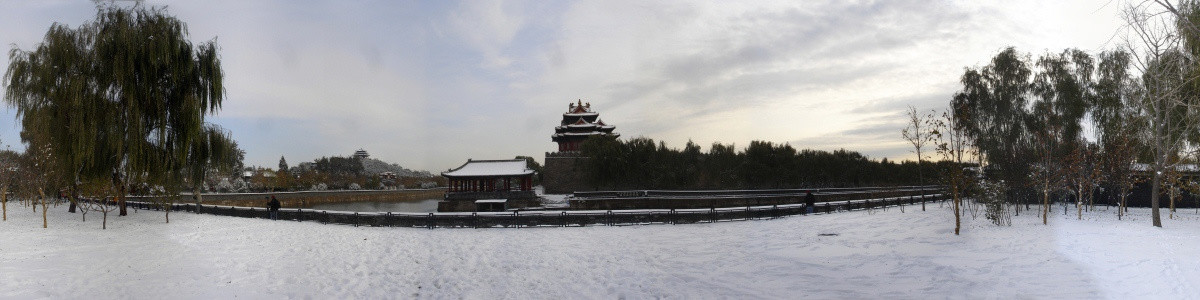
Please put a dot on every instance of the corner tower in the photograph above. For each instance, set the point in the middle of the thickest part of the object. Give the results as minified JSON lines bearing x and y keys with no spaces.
{"x":563,"y":170}
{"x":578,"y":123}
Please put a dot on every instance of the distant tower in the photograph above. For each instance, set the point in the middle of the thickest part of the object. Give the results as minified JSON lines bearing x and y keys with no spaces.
{"x":361,"y":154}
{"x":578,"y":123}
{"x":561,"y":171}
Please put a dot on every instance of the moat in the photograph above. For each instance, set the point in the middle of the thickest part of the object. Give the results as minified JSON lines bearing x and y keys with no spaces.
{"x":420,"y":206}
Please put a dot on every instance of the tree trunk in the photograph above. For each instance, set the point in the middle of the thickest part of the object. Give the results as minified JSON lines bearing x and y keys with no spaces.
{"x":1045,"y":203}
{"x":1079,"y":202}
{"x":957,"y":219}
{"x":1172,"y":214}
{"x":1154,"y":190}
{"x":42,"y":197}
{"x":121,"y":199}
{"x":196,"y":197}
{"x":1121,"y":206}
{"x":1091,"y":197}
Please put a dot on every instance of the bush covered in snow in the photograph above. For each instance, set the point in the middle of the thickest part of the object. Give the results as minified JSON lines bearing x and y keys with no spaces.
{"x":991,"y":195}
{"x":319,"y":187}
{"x":225,"y":186}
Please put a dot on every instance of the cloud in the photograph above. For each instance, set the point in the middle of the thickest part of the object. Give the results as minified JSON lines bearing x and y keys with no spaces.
{"x":430,"y":84}
{"x":488,"y":27}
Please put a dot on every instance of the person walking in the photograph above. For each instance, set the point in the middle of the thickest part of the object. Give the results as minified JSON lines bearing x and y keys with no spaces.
{"x":274,"y":207}
{"x":809,"y":202}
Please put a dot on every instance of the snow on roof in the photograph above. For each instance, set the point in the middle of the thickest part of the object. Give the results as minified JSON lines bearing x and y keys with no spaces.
{"x":1140,"y":167}
{"x":580,"y":133}
{"x":491,"y":201}
{"x":512,"y":167}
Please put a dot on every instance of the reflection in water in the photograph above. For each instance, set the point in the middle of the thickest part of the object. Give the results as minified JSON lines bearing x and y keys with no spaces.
{"x":413,"y":206}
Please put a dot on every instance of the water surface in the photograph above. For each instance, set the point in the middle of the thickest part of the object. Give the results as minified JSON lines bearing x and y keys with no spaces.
{"x":423,"y":206}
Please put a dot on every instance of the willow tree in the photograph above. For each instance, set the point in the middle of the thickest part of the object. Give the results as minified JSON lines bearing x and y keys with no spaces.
{"x":213,"y":150}
{"x":126,"y":94}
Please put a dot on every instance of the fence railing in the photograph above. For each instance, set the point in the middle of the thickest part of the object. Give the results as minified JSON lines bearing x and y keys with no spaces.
{"x":542,"y":218}
{"x":742,"y":193}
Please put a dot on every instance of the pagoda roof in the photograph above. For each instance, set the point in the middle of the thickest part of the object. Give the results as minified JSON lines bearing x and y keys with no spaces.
{"x":590,"y":133}
{"x":583,"y":123}
{"x":592,"y":125}
{"x":490,"y":168}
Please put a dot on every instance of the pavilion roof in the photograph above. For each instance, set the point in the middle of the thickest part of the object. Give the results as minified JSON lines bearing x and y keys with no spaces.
{"x":490,"y":168}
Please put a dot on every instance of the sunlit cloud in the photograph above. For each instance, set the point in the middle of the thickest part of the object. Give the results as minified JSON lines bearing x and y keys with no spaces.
{"x":431,"y":84}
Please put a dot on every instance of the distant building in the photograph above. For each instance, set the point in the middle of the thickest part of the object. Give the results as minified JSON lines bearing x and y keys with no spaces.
{"x":579,"y":123}
{"x":562,"y":172}
{"x":361,"y":154}
{"x":489,"y":185}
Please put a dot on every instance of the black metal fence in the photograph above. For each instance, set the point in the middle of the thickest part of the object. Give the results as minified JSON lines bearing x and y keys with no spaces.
{"x":544,"y":218}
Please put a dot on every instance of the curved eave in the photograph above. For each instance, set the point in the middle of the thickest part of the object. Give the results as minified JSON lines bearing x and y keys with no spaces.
{"x":449,"y":175}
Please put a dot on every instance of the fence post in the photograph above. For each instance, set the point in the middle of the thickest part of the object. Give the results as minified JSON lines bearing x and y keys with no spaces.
{"x":517,"y":219}
{"x":429,"y":221}
{"x":775,"y":211}
{"x":325,"y":219}
{"x":356,"y":219}
{"x":712,"y":214}
{"x":674,"y":217}
{"x":474,"y":220}
{"x":299,"y":215}
{"x":608,"y":218}
{"x":564,"y":219}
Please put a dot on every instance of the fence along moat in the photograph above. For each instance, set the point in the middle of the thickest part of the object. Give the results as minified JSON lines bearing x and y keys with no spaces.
{"x":544,"y":218}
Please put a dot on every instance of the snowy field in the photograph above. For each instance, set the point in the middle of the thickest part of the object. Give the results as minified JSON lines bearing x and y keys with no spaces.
{"x":884,"y":254}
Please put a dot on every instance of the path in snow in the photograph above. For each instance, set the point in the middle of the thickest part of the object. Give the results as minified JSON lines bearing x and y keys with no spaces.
{"x":879,"y":254}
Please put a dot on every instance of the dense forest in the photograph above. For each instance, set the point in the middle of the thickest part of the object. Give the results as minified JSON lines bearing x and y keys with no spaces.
{"x":642,"y":163}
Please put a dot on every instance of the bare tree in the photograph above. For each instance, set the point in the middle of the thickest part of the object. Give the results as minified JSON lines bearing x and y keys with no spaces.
{"x":1168,"y":83}
{"x":918,"y":132}
{"x":1083,"y":176}
{"x":950,"y":134}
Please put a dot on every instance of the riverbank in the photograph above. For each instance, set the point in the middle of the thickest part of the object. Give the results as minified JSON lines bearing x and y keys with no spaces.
{"x":306,"y":199}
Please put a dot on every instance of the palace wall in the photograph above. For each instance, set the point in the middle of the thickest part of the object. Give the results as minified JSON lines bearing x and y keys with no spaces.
{"x":563,"y":173}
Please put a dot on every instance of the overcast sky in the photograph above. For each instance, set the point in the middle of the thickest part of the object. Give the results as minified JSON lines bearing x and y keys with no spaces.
{"x":430,"y":84}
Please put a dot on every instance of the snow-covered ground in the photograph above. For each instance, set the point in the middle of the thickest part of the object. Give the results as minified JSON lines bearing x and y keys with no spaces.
{"x":881,"y":254}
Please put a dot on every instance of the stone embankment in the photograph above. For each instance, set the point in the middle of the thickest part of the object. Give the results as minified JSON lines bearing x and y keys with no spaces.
{"x":305,"y":199}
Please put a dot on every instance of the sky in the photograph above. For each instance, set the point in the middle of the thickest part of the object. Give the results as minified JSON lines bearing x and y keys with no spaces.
{"x":431,"y":84}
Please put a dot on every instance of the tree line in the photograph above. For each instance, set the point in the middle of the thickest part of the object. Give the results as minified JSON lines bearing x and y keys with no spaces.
{"x":1072,"y":123}
{"x":642,"y":163}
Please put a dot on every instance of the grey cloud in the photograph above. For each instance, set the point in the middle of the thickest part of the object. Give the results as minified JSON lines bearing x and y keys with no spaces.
{"x":774,"y":52}
{"x":923,"y":103}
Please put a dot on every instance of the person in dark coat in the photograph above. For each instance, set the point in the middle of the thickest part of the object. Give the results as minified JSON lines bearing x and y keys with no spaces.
{"x":274,"y":207}
{"x":809,"y":202}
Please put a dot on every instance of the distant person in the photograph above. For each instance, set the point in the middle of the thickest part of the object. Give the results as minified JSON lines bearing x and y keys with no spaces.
{"x":809,"y":202}
{"x":274,"y":207}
